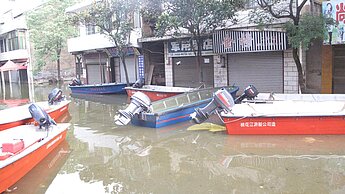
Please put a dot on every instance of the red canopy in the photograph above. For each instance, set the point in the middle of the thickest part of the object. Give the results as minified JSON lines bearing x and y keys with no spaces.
{"x":10,"y":65}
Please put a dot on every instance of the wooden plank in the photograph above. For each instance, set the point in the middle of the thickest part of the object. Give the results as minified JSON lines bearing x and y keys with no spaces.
{"x":149,"y":79}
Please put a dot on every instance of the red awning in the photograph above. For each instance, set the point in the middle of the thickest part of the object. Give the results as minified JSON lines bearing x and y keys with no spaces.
{"x":10,"y":65}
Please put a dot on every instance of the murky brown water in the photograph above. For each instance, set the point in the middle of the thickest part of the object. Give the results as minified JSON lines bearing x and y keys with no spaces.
{"x":99,"y":157}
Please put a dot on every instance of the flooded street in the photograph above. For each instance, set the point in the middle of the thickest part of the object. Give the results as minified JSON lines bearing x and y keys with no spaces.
{"x":100,"y":157}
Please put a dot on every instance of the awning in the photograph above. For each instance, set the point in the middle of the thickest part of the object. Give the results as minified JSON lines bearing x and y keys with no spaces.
{"x":10,"y":66}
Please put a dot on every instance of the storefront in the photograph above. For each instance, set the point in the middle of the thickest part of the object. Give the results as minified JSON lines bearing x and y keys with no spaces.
{"x":333,"y":50}
{"x":253,"y":57}
{"x":184,"y":62}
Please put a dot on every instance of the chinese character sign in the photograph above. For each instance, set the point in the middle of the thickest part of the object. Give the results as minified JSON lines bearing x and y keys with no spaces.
{"x":141,"y":66}
{"x":335,"y":31}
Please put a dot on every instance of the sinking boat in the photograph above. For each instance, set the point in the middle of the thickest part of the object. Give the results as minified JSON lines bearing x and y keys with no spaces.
{"x":281,"y":117}
{"x":105,"y":88}
{"x":24,"y":146}
{"x":167,"y":111}
{"x":56,"y":106}
{"x":155,"y":92}
{"x":158,"y":92}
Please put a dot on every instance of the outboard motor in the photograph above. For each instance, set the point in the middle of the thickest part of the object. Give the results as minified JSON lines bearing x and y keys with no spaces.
{"x":55,"y":96}
{"x":221,"y":99}
{"x":139,"y":83}
{"x":75,"y":82}
{"x":249,"y":93}
{"x":139,"y":103}
{"x":41,"y":116}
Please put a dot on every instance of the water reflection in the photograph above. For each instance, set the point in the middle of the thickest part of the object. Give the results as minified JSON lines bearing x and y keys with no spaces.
{"x":105,"y":158}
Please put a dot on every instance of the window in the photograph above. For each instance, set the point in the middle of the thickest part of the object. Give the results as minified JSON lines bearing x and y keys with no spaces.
{"x":2,"y":45}
{"x":249,"y":4}
{"x":16,"y":40}
{"x":90,"y":29}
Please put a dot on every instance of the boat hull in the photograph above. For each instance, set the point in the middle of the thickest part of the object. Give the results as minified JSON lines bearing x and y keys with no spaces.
{"x":13,"y":172}
{"x":54,"y":111}
{"x":110,"y":88}
{"x":166,"y":119}
{"x":294,"y":125}
{"x":177,"y":109}
{"x":154,"y":96}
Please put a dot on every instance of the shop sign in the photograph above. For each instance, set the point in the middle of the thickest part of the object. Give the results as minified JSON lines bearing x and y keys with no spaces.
{"x":228,"y":41}
{"x":188,"y":47}
{"x":335,"y":30}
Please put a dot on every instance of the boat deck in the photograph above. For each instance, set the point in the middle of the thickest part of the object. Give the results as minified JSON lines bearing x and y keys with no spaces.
{"x":31,"y":135}
{"x":288,"y":108}
{"x":22,"y":112}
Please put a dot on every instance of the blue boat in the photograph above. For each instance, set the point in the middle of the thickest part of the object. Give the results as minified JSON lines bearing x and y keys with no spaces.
{"x":174,"y":109}
{"x":106,"y":88}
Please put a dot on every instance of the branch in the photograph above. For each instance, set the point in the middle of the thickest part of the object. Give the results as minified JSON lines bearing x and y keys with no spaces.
{"x":269,"y":7}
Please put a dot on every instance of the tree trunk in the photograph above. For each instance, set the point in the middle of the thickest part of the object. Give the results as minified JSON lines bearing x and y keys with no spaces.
{"x":58,"y":70}
{"x":301,"y":80}
{"x":123,"y":60}
{"x":199,"y":60}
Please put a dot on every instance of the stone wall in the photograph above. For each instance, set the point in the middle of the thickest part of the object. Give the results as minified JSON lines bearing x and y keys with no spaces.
{"x":290,"y":74}
{"x":220,"y":71}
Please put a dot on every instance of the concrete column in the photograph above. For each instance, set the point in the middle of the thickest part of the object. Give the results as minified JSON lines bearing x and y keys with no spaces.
{"x":168,"y":67}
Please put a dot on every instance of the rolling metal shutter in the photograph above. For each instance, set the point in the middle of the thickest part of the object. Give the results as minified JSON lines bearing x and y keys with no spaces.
{"x":185,"y":72}
{"x":131,"y":69}
{"x":339,"y":69}
{"x":94,"y":75}
{"x":264,"y":70}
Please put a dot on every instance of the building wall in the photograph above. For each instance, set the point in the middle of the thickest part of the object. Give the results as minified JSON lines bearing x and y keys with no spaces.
{"x":168,"y":67}
{"x":290,"y":73}
{"x":220,"y":71}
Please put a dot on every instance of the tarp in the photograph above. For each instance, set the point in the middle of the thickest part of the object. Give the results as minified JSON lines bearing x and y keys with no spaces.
{"x":10,"y":65}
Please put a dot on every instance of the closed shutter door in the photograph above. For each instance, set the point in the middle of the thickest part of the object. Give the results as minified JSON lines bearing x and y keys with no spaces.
{"x":186,"y":73}
{"x":339,"y":70}
{"x":94,"y":75}
{"x":264,"y":70}
{"x":131,"y":69}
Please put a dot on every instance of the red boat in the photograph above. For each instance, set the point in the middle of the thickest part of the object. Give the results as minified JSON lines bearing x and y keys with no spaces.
{"x":286,"y":117}
{"x":158,"y":92}
{"x":14,"y":102}
{"x":20,"y":115}
{"x":23,"y":147}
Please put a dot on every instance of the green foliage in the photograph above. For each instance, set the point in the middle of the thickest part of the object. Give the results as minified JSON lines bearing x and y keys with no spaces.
{"x":48,"y":31}
{"x":198,"y":17}
{"x":310,"y":27}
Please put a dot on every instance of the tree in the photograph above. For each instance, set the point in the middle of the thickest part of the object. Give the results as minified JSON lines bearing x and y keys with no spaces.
{"x":196,"y":18}
{"x":114,"y":18}
{"x":49,"y":32}
{"x":301,"y":29}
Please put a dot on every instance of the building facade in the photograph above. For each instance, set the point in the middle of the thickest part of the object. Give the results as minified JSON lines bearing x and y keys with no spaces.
{"x":14,"y":45}
{"x":97,"y":59}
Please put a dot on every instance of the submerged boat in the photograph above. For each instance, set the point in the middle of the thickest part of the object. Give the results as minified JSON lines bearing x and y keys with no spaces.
{"x":281,"y":116}
{"x":55,"y":107}
{"x":106,"y":88}
{"x":155,"y":92}
{"x":167,"y":111}
{"x":158,"y":92}
{"x":23,"y":147}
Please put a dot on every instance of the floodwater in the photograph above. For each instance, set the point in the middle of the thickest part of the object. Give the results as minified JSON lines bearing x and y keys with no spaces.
{"x":99,"y":157}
